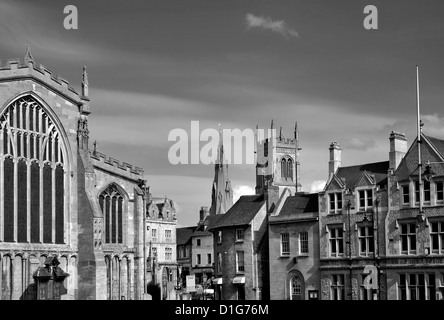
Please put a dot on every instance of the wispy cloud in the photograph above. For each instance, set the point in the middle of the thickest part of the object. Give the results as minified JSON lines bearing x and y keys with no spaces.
{"x":359,"y":143}
{"x":279,"y":26}
{"x":317,"y":186}
{"x":433,"y":125}
{"x":242,"y":190}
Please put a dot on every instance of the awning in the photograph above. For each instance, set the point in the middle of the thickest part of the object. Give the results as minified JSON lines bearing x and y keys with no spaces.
{"x":217,"y":281}
{"x":239,"y":280}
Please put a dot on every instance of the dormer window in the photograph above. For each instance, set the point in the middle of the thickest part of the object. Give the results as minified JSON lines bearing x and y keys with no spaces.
{"x":439,"y":192}
{"x":417,"y":192}
{"x":426,"y":192}
{"x":335,"y":202}
{"x":365,"y":199}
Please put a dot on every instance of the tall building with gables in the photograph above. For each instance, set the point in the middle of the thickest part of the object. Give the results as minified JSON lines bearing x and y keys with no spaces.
{"x":161,"y":245}
{"x":383,"y":217}
{"x":58,"y":197}
{"x":414,"y":262}
{"x":352,"y":209}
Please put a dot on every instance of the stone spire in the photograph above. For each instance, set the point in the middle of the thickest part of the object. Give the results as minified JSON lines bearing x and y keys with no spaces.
{"x":296,"y":132}
{"x":28,"y":55}
{"x":221,"y":193}
{"x":85,"y":83}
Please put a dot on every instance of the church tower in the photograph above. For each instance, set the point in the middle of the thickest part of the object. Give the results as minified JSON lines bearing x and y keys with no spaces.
{"x":222,"y":194}
{"x":277,"y":161}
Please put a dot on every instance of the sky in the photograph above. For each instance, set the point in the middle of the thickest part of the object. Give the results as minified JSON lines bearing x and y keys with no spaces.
{"x":157,"y":65}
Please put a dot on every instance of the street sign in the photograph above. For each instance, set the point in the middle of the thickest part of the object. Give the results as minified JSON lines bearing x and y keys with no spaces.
{"x":191,"y":283}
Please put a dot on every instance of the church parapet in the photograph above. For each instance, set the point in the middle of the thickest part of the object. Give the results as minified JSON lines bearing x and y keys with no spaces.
{"x":126,"y":167}
{"x":19,"y":68}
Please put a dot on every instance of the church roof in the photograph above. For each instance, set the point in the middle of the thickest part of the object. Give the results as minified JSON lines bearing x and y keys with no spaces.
{"x":352,"y":174}
{"x":296,"y":207}
{"x":241,"y":213}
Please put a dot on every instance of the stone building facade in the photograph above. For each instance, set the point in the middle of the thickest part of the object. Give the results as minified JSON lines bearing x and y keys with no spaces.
{"x":293,"y":229}
{"x":202,"y":254}
{"x":352,"y":210}
{"x":241,"y":251}
{"x":414,"y":262}
{"x":184,"y":248}
{"x":161,"y":245}
{"x":58,"y":197}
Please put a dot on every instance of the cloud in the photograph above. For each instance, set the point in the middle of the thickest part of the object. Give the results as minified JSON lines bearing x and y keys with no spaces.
{"x":433,"y":125}
{"x":359,"y":143}
{"x":317,"y":185}
{"x":268,"y":24}
{"x":242,"y":190}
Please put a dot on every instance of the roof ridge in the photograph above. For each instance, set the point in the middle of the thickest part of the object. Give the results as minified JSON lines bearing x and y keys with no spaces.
{"x":363,"y":164}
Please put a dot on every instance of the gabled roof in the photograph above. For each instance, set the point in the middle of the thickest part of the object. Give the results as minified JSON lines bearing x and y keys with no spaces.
{"x":438,"y":143}
{"x":183,"y":235}
{"x":241,"y":213}
{"x":432,"y":149}
{"x":351,"y":175}
{"x":296,"y":206}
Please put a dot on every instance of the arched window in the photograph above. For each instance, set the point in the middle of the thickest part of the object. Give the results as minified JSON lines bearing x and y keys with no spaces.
{"x":296,"y":288}
{"x":33,"y":200}
{"x":111,"y":203}
{"x":283,"y":168}
{"x":289,"y":168}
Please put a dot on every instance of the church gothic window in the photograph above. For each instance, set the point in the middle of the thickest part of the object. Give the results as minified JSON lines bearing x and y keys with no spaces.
{"x":287,"y":168}
{"x":111,"y":203}
{"x":33,"y":176}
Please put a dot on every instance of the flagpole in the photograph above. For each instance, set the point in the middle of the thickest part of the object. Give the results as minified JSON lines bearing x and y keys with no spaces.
{"x":419,"y":141}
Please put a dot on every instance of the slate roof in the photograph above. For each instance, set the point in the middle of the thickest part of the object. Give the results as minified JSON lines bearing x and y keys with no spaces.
{"x":438,"y":143}
{"x":241,"y":213}
{"x":209,"y":221}
{"x":352,"y":174}
{"x":183,"y":235}
{"x":409,"y":164}
{"x":297,"y":206}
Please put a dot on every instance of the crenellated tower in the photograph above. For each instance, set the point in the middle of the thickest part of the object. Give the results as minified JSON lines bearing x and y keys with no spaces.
{"x":277,"y":161}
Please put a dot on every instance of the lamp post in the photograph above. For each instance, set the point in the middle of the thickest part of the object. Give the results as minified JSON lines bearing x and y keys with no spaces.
{"x":204,"y":285}
{"x":376,"y":253}
{"x":349,"y":195}
{"x":428,"y":172}
{"x":142,"y":186}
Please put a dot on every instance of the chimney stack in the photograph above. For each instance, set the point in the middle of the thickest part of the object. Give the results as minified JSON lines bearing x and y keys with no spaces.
{"x":398,"y":149}
{"x":203,"y":213}
{"x":335,"y":157}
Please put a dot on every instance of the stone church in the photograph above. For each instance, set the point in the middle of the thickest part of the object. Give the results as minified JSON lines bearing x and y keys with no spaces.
{"x":60,"y":199}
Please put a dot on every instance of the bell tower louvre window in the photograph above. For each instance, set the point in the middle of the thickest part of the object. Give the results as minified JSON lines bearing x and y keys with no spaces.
{"x":111,"y":203}
{"x":33,"y":175}
{"x":287,"y":168}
